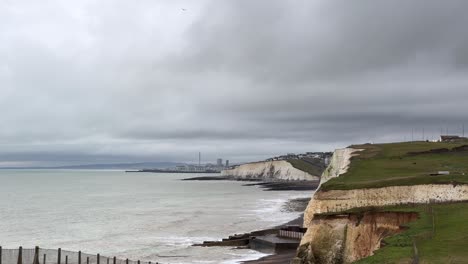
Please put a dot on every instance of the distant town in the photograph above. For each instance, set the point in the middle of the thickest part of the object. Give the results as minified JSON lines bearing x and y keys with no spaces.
{"x":325,"y":156}
{"x":220,"y":165}
{"x":208,"y":167}
{"x":192,"y":168}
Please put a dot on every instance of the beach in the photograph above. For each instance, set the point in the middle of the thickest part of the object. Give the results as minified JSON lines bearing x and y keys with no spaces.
{"x":240,"y":240}
{"x":283,"y":258}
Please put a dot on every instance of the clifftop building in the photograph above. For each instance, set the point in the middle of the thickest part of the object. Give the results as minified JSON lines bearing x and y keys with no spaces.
{"x":452,"y":138}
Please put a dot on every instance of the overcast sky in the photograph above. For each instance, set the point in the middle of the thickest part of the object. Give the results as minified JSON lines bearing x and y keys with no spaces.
{"x":125,"y":81}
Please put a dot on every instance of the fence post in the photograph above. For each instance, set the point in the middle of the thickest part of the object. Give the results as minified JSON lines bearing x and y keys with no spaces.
{"x":79,"y":257}
{"x":44,"y":259}
{"x":107,"y":260}
{"x":415,"y":253}
{"x":98,"y":258}
{"x":126,"y":261}
{"x":0,"y":255}
{"x":66,"y":259}
{"x":59,"y":256}
{"x":433,"y":223}
{"x":138,"y":261}
{"x":36,"y":255}
{"x":115,"y":260}
{"x":87,"y":260}
{"x":20,"y":255}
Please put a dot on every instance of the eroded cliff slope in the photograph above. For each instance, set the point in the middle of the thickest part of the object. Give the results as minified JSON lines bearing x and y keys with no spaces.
{"x":346,"y":238}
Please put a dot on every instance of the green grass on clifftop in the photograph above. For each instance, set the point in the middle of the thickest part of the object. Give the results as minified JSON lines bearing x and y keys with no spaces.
{"x":382,"y":165}
{"x":440,"y":236}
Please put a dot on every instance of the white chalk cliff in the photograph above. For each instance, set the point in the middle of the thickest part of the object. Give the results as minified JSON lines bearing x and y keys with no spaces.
{"x":269,"y":171}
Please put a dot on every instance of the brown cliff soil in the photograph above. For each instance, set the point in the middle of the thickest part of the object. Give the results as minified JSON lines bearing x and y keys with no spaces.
{"x":366,"y":232}
{"x":345,"y":238}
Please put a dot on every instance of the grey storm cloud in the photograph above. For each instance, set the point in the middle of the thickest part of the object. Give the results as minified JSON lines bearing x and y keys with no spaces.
{"x":120,"y":81}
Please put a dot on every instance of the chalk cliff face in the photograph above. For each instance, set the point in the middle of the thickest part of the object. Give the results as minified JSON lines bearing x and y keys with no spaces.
{"x":346,"y":238}
{"x":335,"y":239}
{"x":341,"y":200}
{"x":269,"y":171}
{"x":339,"y":163}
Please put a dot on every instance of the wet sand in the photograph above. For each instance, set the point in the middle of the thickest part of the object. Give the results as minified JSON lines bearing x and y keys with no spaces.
{"x":283,"y":258}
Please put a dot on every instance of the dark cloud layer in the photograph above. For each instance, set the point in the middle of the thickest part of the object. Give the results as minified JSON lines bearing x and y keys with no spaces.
{"x":117,"y":81}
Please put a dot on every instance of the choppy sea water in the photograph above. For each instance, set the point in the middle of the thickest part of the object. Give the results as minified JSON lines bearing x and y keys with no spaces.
{"x":146,"y":216}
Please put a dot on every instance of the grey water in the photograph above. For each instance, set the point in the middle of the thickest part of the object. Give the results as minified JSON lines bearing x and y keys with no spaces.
{"x":146,"y":216}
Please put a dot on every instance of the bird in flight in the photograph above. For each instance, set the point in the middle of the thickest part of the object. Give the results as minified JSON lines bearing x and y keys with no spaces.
{"x":183,"y":9}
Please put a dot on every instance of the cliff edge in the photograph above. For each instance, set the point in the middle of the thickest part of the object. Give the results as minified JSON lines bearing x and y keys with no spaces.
{"x":370,"y":194}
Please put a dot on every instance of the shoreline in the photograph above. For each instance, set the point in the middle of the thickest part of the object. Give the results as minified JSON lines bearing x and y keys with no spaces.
{"x":241,"y":241}
{"x":287,"y":255}
{"x":280,"y":258}
{"x":261,"y":183}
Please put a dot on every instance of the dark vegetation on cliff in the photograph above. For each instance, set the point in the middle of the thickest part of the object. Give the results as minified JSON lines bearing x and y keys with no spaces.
{"x":310,"y":165}
{"x":407,"y":163}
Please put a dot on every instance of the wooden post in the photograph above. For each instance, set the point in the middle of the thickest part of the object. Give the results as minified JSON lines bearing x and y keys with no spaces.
{"x":415,"y":253}
{"x":107,"y":260}
{"x":59,"y":256}
{"x":79,"y":257}
{"x":0,"y":255}
{"x":36,"y":255}
{"x":126,"y":261}
{"x":66,"y":259}
{"x":44,"y":259}
{"x":115,"y":260}
{"x":97,"y":261}
{"x":138,"y":261}
{"x":87,"y":260}
{"x":20,"y":255}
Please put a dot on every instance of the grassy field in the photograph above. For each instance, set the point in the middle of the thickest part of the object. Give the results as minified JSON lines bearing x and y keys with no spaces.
{"x":381,"y":165}
{"x":440,"y":235}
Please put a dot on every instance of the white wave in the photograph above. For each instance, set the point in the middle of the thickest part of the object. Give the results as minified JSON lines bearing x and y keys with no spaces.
{"x":253,"y":255}
{"x":271,"y":210}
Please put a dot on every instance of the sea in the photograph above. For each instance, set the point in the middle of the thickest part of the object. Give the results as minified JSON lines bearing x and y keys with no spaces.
{"x":141,"y":216}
